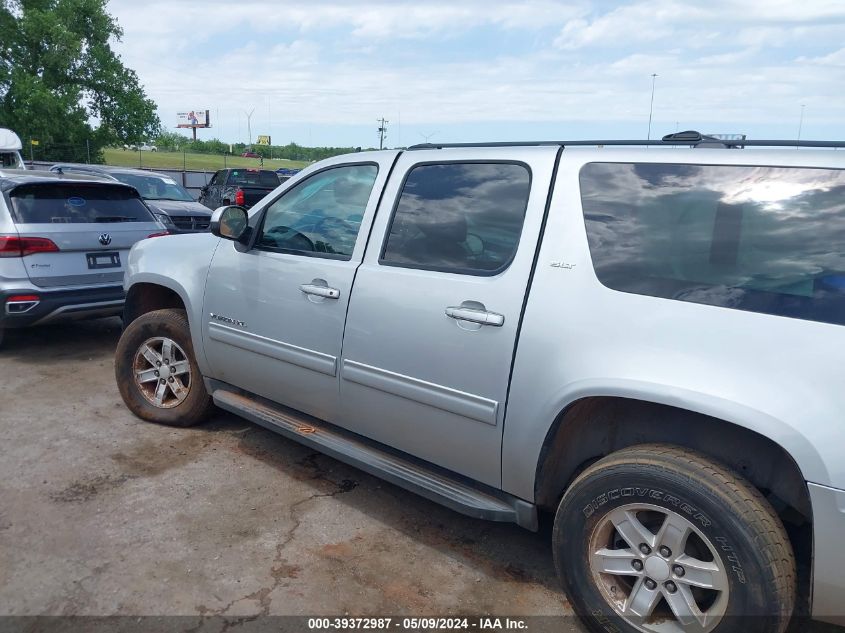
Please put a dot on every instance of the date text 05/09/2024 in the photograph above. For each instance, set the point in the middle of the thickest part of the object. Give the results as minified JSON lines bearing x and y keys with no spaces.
{"x":416,"y":624}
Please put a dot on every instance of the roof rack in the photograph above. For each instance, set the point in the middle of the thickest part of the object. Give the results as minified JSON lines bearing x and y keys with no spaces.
{"x":690,"y":137}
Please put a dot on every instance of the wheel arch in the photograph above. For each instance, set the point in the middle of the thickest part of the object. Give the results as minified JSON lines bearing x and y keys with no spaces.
{"x":594,"y":426}
{"x":143,"y":297}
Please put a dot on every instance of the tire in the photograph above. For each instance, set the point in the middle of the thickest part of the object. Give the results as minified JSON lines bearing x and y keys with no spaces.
{"x":722,"y":530}
{"x":160,"y":381}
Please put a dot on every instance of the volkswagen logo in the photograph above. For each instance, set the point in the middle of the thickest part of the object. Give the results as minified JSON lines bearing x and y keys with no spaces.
{"x":105,"y":239}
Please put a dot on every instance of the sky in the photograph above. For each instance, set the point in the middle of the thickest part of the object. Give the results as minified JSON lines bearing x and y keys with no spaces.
{"x":322,"y":73}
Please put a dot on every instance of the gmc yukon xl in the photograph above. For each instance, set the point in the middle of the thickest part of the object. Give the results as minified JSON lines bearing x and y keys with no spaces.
{"x":645,"y":343}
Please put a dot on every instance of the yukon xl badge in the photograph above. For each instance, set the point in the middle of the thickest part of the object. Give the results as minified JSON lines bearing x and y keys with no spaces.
{"x":225,"y":319}
{"x":105,"y":239}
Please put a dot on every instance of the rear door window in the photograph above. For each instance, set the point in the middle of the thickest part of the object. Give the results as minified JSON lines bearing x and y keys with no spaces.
{"x":76,"y":204}
{"x":762,"y":239}
{"x":459,"y":217}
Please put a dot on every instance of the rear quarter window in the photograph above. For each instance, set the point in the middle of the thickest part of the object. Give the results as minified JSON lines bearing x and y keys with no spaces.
{"x":66,"y":203}
{"x":761,"y":239}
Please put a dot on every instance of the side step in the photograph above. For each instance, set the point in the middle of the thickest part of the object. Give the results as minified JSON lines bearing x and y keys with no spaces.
{"x":425,"y":482}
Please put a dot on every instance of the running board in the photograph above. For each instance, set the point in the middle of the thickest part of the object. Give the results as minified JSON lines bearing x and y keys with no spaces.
{"x":407,"y":474}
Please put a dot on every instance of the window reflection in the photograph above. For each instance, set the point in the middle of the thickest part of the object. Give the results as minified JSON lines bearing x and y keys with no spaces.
{"x":459,"y":217}
{"x":322,"y":214}
{"x":764,"y":239}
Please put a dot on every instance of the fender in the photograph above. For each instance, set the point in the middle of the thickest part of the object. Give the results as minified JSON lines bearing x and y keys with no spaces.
{"x":179,"y":263}
{"x":519,"y":475}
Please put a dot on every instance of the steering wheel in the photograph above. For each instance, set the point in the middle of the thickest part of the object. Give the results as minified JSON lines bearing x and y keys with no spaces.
{"x":286,"y":237}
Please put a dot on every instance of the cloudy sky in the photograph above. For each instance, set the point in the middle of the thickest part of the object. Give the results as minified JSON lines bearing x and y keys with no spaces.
{"x":321,"y":73}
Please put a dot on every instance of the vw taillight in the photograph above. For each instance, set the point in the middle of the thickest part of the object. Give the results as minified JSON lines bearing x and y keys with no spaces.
{"x":14,"y":246}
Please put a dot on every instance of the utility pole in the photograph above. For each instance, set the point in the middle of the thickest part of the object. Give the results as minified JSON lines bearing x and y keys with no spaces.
{"x":249,"y":125}
{"x":382,"y":131}
{"x":800,"y":124}
{"x":651,"y":107}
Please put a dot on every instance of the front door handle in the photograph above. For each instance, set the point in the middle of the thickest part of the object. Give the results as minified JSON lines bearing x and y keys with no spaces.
{"x":320,"y":291}
{"x":482,"y":317}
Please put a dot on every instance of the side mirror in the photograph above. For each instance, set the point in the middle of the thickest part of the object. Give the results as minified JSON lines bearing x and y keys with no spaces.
{"x":230,"y":222}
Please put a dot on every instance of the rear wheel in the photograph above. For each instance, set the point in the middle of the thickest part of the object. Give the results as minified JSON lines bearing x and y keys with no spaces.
{"x":156,"y":371}
{"x":660,"y":539}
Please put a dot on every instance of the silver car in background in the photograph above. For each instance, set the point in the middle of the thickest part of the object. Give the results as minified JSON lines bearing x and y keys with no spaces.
{"x":170,"y":202}
{"x":64,"y":241}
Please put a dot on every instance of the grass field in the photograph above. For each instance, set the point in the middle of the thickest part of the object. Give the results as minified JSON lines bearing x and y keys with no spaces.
{"x":199,"y":162}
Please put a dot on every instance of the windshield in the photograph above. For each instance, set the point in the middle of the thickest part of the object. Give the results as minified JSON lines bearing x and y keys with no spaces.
{"x":11,"y":160}
{"x":76,"y":203}
{"x":155,"y":187}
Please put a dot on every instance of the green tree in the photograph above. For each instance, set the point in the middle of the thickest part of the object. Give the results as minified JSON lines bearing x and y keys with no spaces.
{"x":58,"y":73}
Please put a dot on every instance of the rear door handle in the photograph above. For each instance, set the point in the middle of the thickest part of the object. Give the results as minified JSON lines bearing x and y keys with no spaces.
{"x":320,"y":291}
{"x":482,"y":317}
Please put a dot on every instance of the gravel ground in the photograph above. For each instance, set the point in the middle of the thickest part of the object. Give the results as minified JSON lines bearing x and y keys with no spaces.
{"x":103,"y":514}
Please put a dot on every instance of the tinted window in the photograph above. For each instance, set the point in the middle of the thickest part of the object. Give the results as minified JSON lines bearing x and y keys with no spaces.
{"x":10,"y":160}
{"x":763,"y":239}
{"x":320,"y":215}
{"x":253,"y":178}
{"x":155,"y":187}
{"x":77,"y":203}
{"x":459,"y":217}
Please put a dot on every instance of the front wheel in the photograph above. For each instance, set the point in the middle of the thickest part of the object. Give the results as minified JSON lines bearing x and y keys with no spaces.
{"x":157,"y":374}
{"x":660,"y":539}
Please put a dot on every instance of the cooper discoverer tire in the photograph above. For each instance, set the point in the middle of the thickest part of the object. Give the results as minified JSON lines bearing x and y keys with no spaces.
{"x":657,"y":537}
{"x":157,"y":374}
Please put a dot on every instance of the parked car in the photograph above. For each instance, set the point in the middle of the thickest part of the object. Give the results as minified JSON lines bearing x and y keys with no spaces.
{"x":144,"y":147}
{"x":169,"y":201}
{"x":239,"y":186}
{"x":644,"y":343}
{"x":63,"y":245}
{"x":250,"y":154}
{"x":285,"y":173}
{"x":10,"y":150}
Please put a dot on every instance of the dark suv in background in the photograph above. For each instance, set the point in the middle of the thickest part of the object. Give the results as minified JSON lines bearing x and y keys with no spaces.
{"x":170,"y":202}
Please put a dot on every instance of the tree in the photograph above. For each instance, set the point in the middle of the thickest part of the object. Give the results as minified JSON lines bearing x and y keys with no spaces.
{"x":58,"y":72}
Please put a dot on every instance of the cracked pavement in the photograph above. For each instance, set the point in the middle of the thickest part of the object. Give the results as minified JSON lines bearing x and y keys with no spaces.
{"x":103,"y":514}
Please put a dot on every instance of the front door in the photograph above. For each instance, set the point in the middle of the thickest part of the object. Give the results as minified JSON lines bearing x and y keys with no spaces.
{"x":436,"y":306}
{"x":274,"y":314}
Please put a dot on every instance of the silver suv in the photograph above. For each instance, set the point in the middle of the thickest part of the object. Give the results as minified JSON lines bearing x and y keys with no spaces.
{"x":63,"y":244}
{"x":639,"y":340}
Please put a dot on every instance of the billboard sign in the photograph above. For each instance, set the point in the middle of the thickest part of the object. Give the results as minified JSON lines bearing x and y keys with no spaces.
{"x":193,"y":118}
{"x":263,"y":139}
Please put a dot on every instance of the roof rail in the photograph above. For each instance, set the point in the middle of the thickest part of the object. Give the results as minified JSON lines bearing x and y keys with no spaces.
{"x":690,"y":137}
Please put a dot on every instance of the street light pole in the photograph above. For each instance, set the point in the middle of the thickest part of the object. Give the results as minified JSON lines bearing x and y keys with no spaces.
{"x":651,"y":107}
{"x":382,"y":131}
{"x":249,"y":125}
{"x":800,"y":124}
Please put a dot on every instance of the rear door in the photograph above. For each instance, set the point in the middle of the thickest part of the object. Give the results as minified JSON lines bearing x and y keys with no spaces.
{"x":92,"y":225}
{"x":436,"y":305}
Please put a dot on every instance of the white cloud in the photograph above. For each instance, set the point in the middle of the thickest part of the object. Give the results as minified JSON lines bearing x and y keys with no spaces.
{"x":342,"y":63}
